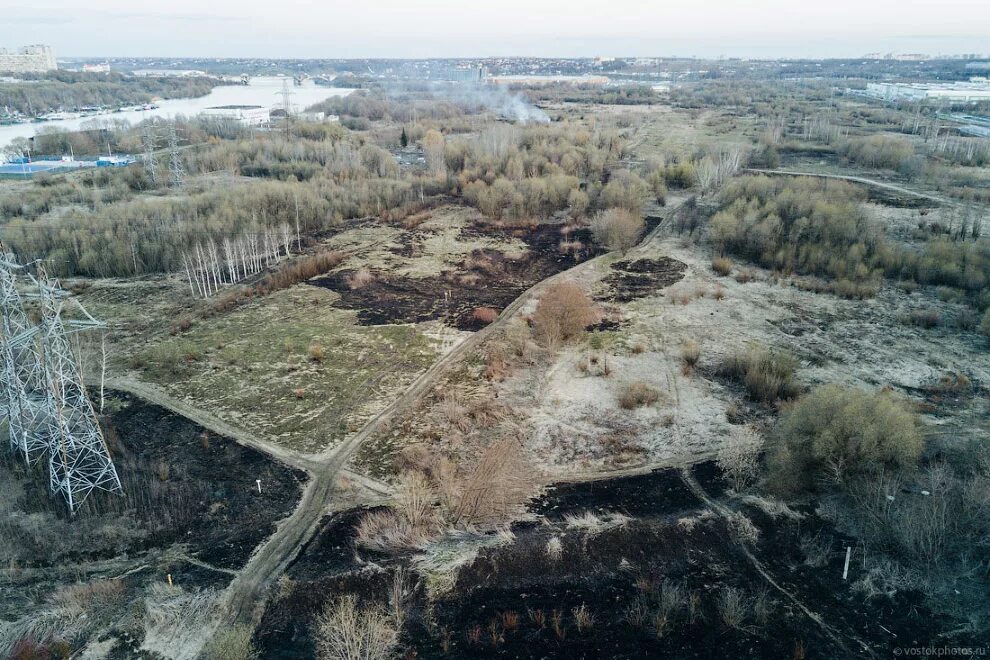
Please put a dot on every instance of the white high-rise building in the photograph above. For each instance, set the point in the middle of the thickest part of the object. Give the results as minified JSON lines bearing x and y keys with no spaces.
{"x":29,"y":59}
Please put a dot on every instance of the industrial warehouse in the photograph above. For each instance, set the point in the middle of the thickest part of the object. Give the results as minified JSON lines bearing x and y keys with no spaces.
{"x":29,"y":59}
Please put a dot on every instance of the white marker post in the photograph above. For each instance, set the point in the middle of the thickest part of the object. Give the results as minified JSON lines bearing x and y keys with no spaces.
{"x":845,"y":570}
{"x":258,"y":481}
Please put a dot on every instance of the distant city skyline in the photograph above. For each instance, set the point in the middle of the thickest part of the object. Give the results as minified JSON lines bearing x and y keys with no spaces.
{"x":547,"y":28}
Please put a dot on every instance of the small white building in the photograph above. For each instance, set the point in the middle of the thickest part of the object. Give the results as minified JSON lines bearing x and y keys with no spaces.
{"x":248,"y":115}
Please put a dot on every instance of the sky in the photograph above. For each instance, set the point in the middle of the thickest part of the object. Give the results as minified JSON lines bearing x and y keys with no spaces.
{"x":544,"y":28}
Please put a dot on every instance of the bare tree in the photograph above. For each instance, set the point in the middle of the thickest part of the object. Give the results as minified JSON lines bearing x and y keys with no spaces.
{"x":564,"y":311}
{"x":434,"y":147}
{"x":346,"y":632}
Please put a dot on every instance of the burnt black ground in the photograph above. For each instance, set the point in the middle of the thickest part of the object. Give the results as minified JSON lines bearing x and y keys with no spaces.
{"x":486,"y":279}
{"x":643,"y":277}
{"x":670,"y":538}
{"x":180,"y":486}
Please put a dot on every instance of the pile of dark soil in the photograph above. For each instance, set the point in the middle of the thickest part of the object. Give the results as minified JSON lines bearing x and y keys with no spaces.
{"x":640,"y":278}
{"x":486,"y":279}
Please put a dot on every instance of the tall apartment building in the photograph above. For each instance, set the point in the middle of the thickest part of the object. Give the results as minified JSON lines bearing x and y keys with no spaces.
{"x":29,"y":59}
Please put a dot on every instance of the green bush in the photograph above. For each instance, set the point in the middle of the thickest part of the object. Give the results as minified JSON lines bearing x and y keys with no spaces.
{"x":837,"y":431}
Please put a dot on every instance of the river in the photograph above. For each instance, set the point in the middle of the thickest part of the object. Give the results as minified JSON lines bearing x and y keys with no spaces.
{"x":264,"y":91}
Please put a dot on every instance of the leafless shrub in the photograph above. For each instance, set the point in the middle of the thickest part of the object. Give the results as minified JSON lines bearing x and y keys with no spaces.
{"x":745,"y":276}
{"x":738,"y":457}
{"x":762,"y":606}
{"x":399,"y":597}
{"x":771,"y":506}
{"x":637,"y":394}
{"x":617,"y":228}
{"x":952,"y":382}
{"x":455,"y":412}
{"x":564,"y":311}
{"x":557,"y":624}
{"x":484,"y":315}
{"x":346,"y":632}
{"x":497,"y":364}
{"x":500,"y":485}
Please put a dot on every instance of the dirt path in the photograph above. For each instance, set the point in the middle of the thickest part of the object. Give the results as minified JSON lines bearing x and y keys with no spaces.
{"x":864,"y":181}
{"x":158,"y":396}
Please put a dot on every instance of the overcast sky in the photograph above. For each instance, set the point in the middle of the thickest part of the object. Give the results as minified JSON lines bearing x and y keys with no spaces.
{"x":443,"y":28}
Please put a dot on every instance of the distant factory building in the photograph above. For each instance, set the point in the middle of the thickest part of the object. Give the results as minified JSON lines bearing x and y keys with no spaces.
{"x":169,"y":73}
{"x":248,"y":115}
{"x":29,"y":59}
{"x":960,"y":92}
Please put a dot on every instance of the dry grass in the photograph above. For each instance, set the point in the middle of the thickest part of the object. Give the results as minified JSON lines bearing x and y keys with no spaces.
{"x":232,"y":643}
{"x":722,"y":265}
{"x":299,"y":270}
{"x":360,"y":279}
{"x":767,"y":375}
{"x":733,"y":607}
{"x":554,"y":548}
{"x":583,"y":618}
{"x":638,"y":394}
{"x":691,"y":353}
{"x":316,"y":352}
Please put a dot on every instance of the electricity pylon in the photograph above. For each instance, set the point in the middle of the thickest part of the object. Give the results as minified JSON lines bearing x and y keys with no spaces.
{"x":149,"y":140}
{"x":79,"y":459}
{"x":177,"y":170}
{"x":22,"y":376}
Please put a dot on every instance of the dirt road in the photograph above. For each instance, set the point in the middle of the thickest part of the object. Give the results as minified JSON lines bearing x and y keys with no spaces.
{"x":868,"y":182}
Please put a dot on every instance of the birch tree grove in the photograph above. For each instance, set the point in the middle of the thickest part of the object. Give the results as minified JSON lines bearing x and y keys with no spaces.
{"x":209,"y":266}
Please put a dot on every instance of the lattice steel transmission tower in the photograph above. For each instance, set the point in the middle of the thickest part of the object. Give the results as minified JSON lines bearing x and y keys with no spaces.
{"x":79,"y":459}
{"x":23,"y":377}
{"x":149,"y":140}
{"x":177,"y":171}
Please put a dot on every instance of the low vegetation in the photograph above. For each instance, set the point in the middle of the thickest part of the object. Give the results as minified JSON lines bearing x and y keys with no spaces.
{"x":768,"y":376}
